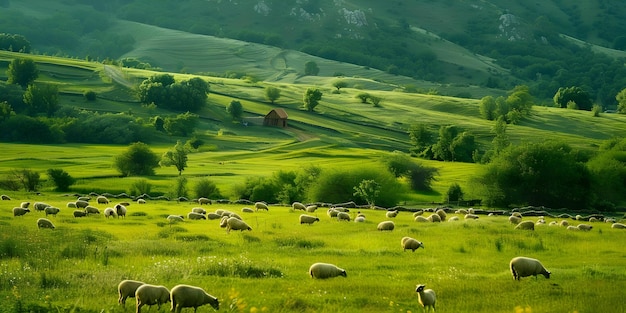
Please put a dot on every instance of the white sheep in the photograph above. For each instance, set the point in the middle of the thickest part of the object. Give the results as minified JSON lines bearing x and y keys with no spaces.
{"x":175,"y":218}
{"x":553,"y":223}
{"x":442,"y":214}
{"x":471,"y":216}
{"x":618,"y":226}
{"x":308,"y":219}
{"x":609,"y":220}
{"x":44,"y":223}
{"x":110,"y":212}
{"x":213,"y":216}
{"x":195,"y":216}
{"x":20,"y":211}
{"x":386,"y":225}
{"x":564,"y":223}
{"x":574,"y":228}
{"x":203,"y":200}
{"x":343,"y":216}
{"x":40,"y":206}
{"x":584,"y":227}
{"x":150,"y":295}
{"x":392,"y":214}
{"x":359,"y":219}
{"x":411,"y":243}
{"x":235,"y":215}
{"x":91,"y":210}
{"x":24,"y":204}
{"x":311,"y":208}
{"x":5,"y":197}
{"x":527,"y":225}
{"x":199,"y":210}
{"x":102,"y":200}
{"x":421,"y":219}
{"x":52,"y":211}
{"x":141,"y":201}
{"x":517,"y":214}
{"x":514,"y":219}
{"x":298,"y":206}
{"x":523,"y":267}
{"x":233,"y":223}
{"x":185,"y":296}
{"x":79,"y":213}
{"x":434,"y":218}
{"x":418,"y":213}
{"x":426,"y":297}
{"x":247,"y":210}
{"x":326,"y":270}
{"x":85,"y":198}
{"x":461,"y":211}
{"x":71,"y":205}
{"x":593,"y":219}
{"x":453,"y":219}
{"x":332,"y":212}
{"x":121,"y":210}
{"x":126,"y":289}
{"x":81,"y":204}
{"x":261,"y":206}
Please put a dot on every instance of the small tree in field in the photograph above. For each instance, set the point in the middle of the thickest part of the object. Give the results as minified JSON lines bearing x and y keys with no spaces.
{"x":176,"y":157}
{"x":311,"y":69}
{"x":235,"y":109}
{"x":208,"y":189}
{"x":368,"y":189}
{"x":137,"y":160}
{"x":272,"y":94}
{"x":22,"y":72}
{"x":454,"y":194}
{"x":340,"y":83}
{"x":312,"y":97}
{"x":62,"y":180}
{"x":29,"y":179}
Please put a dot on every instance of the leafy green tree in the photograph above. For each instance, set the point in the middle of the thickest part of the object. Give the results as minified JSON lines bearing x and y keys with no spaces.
{"x":454,"y":193}
{"x":138,"y":160}
{"x":340,"y":83}
{"x":180,"y":187}
{"x":207,"y":188}
{"x":235,"y":109}
{"x":311,"y":69}
{"x":520,"y":100}
{"x":176,"y":157}
{"x":421,"y":140}
{"x":369,"y":190}
{"x":272,"y":94}
{"x":5,"y":110}
{"x":488,"y":108}
{"x":312,"y":97}
{"x":164,"y":91}
{"x":442,"y":150}
{"x":181,"y":125}
{"x":419,"y":176}
{"x":463,"y":147}
{"x":621,"y":101}
{"x":62,"y":180}
{"x":140,"y":187}
{"x":29,"y":179}
{"x":575,"y":94}
{"x":546,"y":173}
{"x":363,"y":96}
{"x":90,"y":95}
{"x":42,"y":98}
{"x":375,"y":100}
{"x":500,"y":140}
{"x":14,"y":42}
{"x":22,"y":71}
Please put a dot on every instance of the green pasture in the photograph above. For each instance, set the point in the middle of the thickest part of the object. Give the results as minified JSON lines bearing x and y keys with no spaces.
{"x":265,"y":270}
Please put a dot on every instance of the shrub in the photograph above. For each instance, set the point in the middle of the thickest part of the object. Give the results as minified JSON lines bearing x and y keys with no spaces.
{"x":90,"y":95}
{"x":208,"y":189}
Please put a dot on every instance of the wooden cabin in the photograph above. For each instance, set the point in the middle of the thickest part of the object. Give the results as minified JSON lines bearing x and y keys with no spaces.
{"x":276,"y":117}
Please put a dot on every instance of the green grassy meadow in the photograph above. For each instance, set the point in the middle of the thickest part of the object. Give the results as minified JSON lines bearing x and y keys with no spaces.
{"x":77,"y":266}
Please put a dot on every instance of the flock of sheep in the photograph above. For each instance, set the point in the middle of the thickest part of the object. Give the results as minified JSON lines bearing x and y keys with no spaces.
{"x":189,"y":296}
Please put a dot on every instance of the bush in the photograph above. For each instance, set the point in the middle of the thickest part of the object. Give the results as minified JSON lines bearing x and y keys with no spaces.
{"x":207,"y":189}
{"x":62,"y":180}
{"x":140,"y":187}
{"x":454,"y":193}
{"x":90,"y":95}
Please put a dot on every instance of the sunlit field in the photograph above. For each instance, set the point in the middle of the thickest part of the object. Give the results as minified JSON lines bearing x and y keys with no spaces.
{"x":77,"y":266}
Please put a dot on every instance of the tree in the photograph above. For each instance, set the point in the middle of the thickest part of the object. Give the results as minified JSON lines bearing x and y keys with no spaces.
{"x":181,"y":125}
{"x":176,"y":157}
{"x":340,"y":83}
{"x":42,"y":98}
{"x":488,"y":108}
{"x":62,"y":180}
{"x":454,"y":193}
{"x":421,"y":139}
{"x":22,"y":72}
{"x":369,"y":190}
{"x":163,"y":90}
{"x":621,"y":101}
{"x":363,"y":96}
{"x":14,"y":42}
{"x":235,"y":109}
{"x":180,"y":188}
{"x":272,"y":94}
{"x":500,"y":140}
{"x":312,"y":96}
{"x":420,"y":177}
{"x":442,"y":149}
{"x":575,"y":94}
{"x":311,"y":69}
{"x":29,"y":179}
{"x":137,"y":160}
{"x":463,"y":147}
{"x":207,"y":188}
{"x":5,"y":110}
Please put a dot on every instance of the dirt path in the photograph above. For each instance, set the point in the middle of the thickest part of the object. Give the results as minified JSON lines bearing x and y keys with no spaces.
{"x":117,"y":76}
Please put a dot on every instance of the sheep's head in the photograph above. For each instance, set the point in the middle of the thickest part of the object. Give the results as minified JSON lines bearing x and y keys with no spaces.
{"x":343,"y":273}
{"x":546,"y":274}
{"x":420,"y":288}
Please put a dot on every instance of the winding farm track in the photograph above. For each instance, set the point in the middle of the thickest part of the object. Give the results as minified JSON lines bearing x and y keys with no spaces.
{"x":117,"y":76}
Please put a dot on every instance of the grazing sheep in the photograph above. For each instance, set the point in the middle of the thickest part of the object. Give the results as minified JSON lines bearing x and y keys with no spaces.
{"x":175,"y":218}
{"x":584,"y":227}
{"x":81,"y":204}
{"x":386,"y":225}
{"x":471,"y":216}
{"x":110,"y":212}
{"x":52,"y":211}
{"x":517,"y":214}
{"x":434,"y":218}
{"x":213,"y":216}
{"x":392,"y":214}
{"x":442,"y":214}
{"x":71,"y":205}
{"x":102,"y":200}
{"x":564,"y":223}
{"x":150,"y":295}
{"x":461,"y":211}
{"x":20,"y":211}
{"x":540,"y":221}
{"x":298,"y":206}
{"x":195,"y":216}
{"x":233,"y":223}
{"x":514,"y":219}
{"x":326,"y":270}
{"x":618,"y":226}
{"x":185,"y":296}
{"x":5,"y":197}
{"x":553,"y":223}
{"x":332,"y":212}
{"x":79,"y":213}
{"x":527,"y":225}
{"x":311,"y":208}
{"x":411,"y":243}
{"x":593,"y":219}
{"x":199,"y":210}
{"x":579,"y":217}
{"x":141,"y":201}
{"x":91,"y":210}
{"x":247,"y":210}
{"x":308,"y":219}
{"x":84,"y":199}
{"x":359,"y":219}
{"x":226,"y":213}
{"x":523,"y":266}
{"x":203,"y":200}
{"x":426,"y":297}
{"x":24,"y":204}
{"x":121,"y":210}
{"x":341,"y":209}
{"x":40,"y":206}
{"x":421,"y":219}
{"x":235,"y":215}
{"x":471,"y":211}
{"x":261,"y":206}
{"x":570,"y":227}
{"x":609,"y":220}
{"x":453,"y":219}
{"x":126,"y":289}
{"x":44,"y":223}
{"x":343,"y":216}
